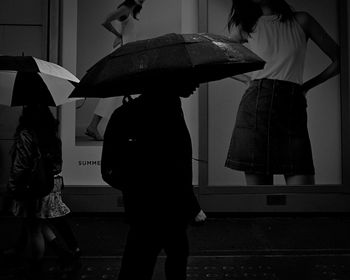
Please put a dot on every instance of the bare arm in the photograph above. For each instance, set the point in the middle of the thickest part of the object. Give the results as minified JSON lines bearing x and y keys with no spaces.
{"x":120,"y":14}
{"x":239,"y":36}
{"x":316,"y":33}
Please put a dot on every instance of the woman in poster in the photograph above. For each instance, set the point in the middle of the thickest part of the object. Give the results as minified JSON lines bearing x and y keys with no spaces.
{"x":271,"y":135}
{"x":126,"y":16}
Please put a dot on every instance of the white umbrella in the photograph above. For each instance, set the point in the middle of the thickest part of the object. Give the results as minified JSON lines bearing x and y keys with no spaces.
{"x":28,"y":80}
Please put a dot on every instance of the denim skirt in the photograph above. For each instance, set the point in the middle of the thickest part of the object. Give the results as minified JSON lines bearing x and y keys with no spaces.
{"x":270,"y":135}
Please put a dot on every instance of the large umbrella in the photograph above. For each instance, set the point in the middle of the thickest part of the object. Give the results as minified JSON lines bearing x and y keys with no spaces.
{"x":28,"y":80}
{"x":171,"y":58}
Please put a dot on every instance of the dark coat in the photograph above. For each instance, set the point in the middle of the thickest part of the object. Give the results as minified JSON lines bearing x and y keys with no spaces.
{"x":155,"y":172}
{"x":25,"y":152}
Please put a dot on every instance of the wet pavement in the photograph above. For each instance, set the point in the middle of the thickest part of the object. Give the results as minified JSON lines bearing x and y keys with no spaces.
{"x":239,"y":248}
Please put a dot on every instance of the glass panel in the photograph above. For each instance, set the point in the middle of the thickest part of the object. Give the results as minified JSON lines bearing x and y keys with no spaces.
{"x":93,"y":42}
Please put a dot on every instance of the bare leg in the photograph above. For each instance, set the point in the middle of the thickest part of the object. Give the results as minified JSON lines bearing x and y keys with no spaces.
{"x":65,"y":256}
{"x":48,"y":233}
{"x":300,"y":180}
{"x":64,"y":229}
{"x":36,"y":239}
{"x":257,"y":179}
{"x":36,"y":246}
{"x":92,"y":130}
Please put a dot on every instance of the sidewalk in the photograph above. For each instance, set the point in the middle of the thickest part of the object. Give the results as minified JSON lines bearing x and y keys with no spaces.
{"x":236,"y":247}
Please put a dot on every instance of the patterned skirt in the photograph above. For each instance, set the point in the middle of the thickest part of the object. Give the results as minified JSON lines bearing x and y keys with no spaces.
{"x":50,"y":206}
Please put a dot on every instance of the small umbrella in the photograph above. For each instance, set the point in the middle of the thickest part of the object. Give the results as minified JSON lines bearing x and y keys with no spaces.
{"x":170,"y":58}
{"x":28,"y":80}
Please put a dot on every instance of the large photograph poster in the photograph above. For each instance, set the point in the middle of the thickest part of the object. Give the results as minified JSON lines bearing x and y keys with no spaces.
{"x":85,"y":41}
{"x":324,"y":102}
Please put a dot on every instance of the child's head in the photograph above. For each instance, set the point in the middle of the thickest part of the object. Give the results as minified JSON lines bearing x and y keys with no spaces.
{"x":38,"y":117}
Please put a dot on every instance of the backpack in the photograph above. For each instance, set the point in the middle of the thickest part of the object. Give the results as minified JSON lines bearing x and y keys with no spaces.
{"x":120,"y":144}
{"x":147,"y":140}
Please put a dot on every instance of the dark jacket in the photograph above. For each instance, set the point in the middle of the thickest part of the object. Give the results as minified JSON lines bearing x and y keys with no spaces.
{"x":25,"y":152}
{"x":156,"y":169}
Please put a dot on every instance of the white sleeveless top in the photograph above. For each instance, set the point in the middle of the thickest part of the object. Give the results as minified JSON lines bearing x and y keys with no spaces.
{"x":282,"y":45}
{"x":129,"y":28}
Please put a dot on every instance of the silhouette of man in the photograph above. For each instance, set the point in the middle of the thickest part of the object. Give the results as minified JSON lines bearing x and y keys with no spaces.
{"x":155,"y":176}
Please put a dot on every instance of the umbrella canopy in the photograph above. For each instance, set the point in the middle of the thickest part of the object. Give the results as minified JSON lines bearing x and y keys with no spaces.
{"x":28,"y":80}
{"x":170,"y":58}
